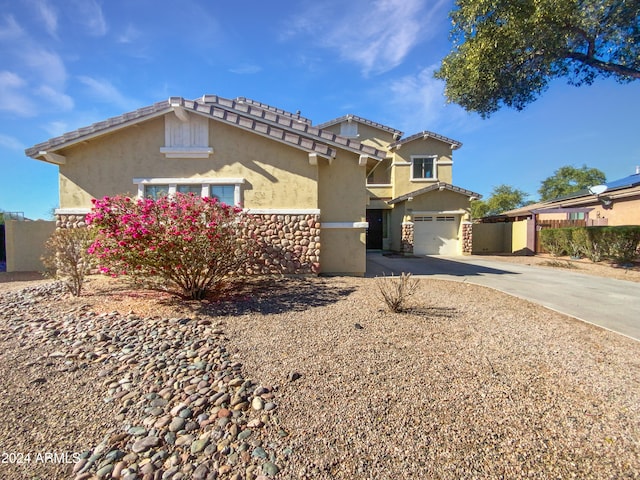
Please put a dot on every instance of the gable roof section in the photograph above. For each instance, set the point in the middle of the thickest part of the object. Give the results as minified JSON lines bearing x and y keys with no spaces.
{"x":364,"y":121}
{"x":100,"y":128}
{"x":424,"y":135}
{"x":261,"y":119}
{"x":431,"y":188}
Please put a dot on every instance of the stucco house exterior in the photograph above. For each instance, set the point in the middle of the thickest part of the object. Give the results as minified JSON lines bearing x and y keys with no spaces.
{"x":412,"y":204}
{"x":311,"y":189}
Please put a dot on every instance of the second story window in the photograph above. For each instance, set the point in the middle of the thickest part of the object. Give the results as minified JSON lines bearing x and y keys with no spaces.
{"x":423,"y":168}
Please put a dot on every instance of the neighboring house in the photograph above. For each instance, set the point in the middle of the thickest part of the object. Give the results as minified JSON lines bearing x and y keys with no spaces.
{"x":614,"y":203}
{"x":305,"y":185}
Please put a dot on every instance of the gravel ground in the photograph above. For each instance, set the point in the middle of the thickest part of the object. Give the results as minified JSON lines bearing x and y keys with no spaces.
{"x":469,"y":383}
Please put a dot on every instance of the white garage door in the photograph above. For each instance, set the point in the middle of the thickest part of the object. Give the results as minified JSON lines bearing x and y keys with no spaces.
{"x":436,"y":234}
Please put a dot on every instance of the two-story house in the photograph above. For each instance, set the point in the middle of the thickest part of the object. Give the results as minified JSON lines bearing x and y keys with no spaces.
{"x":313,"y":190}
{"x":412,"y":204}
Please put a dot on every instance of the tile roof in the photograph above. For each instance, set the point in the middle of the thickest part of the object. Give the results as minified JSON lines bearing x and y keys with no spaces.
{"x":264,"y":106}
{"x":364,"y":121}
{"x":427,"y":134}
{"x":246,"y":114}
{"x":435,"y":186}
{"x":99,"y":128}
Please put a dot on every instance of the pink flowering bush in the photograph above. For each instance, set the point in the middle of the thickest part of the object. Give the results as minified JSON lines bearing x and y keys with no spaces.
{"x":192,"y":243}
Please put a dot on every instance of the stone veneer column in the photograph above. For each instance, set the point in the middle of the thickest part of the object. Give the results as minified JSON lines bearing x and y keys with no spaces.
{"x":467,"y":238}
{"x":289,"y":244}
{"x":406,"y":242}
{"x":70,"y":221}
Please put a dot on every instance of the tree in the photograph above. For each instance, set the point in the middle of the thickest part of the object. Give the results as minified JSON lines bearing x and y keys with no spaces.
{"x":189,"y":242}
{"x":505,"y":52}
{"x":503,"y":198}
{"x":568,"y":179}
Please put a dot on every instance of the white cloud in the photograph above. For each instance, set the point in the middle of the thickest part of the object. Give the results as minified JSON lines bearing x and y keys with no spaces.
{"x":10,"y":30}
{"x":56,"y":128}
{"x":246,"y":69}
{"x":48,"y":16}
{"x":377,"y":35}
{"x":106,"y":92}
{"x":12,"y":98}
{"x":56,"y":98}
{"x":129,"y":35}
{"x":89,"y":13}
{"x":11,"y":143}
{"x":417,"y":103}
{"x":48,"y":66}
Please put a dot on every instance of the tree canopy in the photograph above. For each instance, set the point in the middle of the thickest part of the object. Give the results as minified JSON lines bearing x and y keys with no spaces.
{"x":568,"y":180}
{"x":505,"y":52}
{"x":503,"y":198}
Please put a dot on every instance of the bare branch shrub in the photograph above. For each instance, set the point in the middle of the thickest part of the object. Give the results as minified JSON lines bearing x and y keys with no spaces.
{"x":396,"y":290}
{"x":66,"y":257}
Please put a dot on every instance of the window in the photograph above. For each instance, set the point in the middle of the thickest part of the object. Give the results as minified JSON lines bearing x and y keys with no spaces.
{"x":423,"y":168}
{"x":349,"y":129}
{"x":224,"y":193}
{"x":156,"y":191}
{"x":227,"y":190}
{"x":187,"y":189}
{"x":576,"y":215}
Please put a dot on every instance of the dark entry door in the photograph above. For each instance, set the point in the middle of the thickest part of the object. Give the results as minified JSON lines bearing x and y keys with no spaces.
{"x":374,"y":232}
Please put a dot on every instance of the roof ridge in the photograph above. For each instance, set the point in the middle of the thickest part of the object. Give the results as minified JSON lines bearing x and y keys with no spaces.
{"x":427,"y":134}
{"x":270,"y":108}
{"x":287,"y":122}
{"x":366,"y":121}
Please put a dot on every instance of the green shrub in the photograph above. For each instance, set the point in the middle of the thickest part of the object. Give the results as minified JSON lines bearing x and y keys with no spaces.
{"x":622,"y":243}
{"x":554,"y":241}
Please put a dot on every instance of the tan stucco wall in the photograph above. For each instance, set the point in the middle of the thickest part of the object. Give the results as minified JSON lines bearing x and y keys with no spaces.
{"x":25,"y":244}
{"x":438,"y":201}
{"x":276,"y":175}
{"x":401,"y":176}
{"x":342,"y":197}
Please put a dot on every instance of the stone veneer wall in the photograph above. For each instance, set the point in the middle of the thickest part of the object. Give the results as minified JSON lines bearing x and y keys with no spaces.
{"x":406,"y":241}
{"x":289,"y":244}
{"x":467,"y":238}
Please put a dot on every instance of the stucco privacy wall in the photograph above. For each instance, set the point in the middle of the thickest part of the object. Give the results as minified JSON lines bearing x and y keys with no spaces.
{"x":25,"y":244}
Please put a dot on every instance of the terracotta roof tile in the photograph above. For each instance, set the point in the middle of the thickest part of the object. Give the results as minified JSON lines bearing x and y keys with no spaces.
{"x":427,"y":134}
{"x":364,"y":121}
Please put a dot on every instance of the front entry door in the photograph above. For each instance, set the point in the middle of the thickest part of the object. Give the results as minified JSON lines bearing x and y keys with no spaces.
{"x":374,"y":232}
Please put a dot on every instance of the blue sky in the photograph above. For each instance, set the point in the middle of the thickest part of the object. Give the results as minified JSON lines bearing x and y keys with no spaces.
{"x":65,"y":64}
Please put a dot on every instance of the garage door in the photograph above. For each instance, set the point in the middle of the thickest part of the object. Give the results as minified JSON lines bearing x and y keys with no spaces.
{"x":436,"y":234}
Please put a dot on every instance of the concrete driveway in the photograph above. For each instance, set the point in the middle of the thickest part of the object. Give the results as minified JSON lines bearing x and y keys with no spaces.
{"x":609,"y":303}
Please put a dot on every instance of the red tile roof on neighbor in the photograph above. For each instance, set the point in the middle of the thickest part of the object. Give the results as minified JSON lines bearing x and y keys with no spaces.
{"x":427,"y":134}
{"x":247,"y":114}
{"x":346,"y":118}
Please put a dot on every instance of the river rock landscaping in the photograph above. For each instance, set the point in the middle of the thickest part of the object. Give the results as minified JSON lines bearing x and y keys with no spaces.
{"x":310,"y":378}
